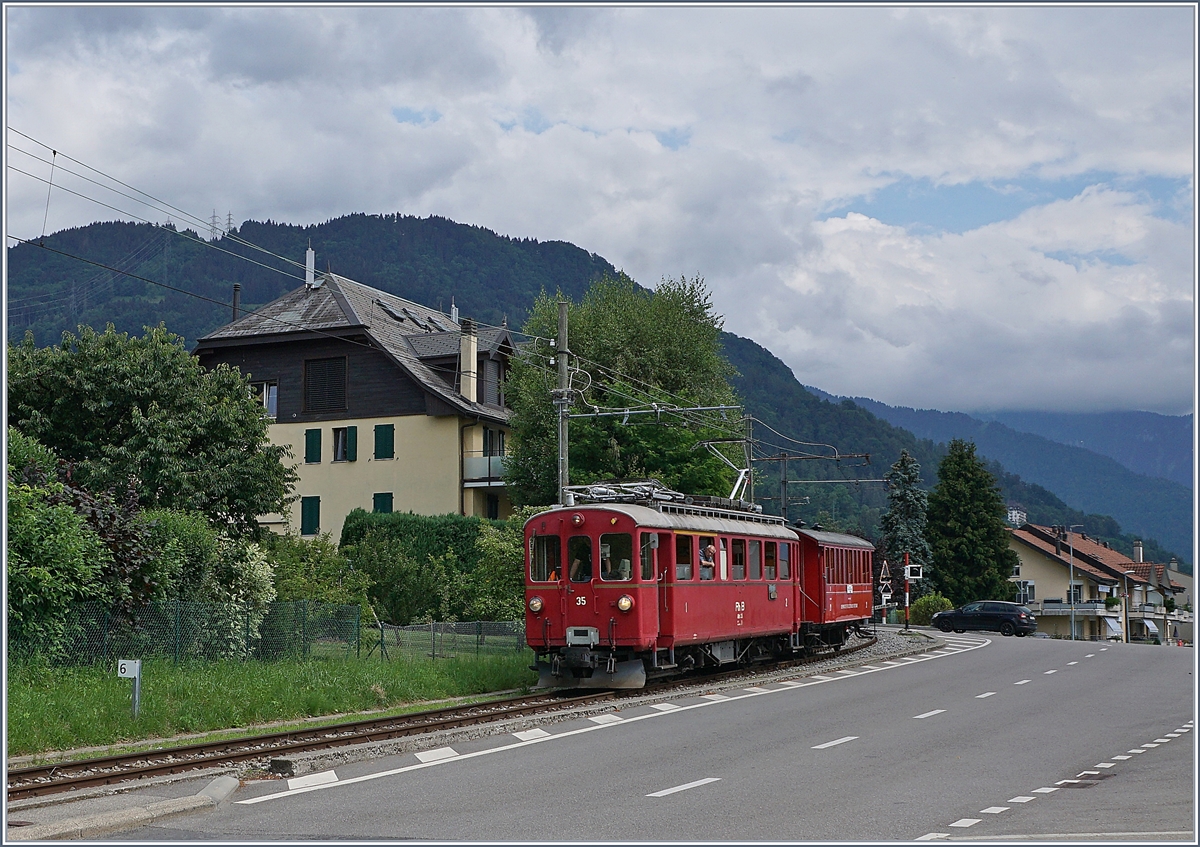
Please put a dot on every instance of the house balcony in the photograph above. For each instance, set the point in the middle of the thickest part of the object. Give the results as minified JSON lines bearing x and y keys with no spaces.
{"x":1061,"y":607}
{"x":480,"y":471}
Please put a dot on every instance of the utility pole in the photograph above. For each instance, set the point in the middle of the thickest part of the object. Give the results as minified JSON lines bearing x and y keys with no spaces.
{"x":783,"y":497}
{"x":562,"y":402}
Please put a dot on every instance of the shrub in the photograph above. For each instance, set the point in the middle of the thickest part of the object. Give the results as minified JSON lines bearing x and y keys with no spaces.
{"x":921,"y":612}
{"x":315,"y":570}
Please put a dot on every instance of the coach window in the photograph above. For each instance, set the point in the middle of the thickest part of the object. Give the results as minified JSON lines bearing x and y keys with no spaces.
{"x":683,"y":557}
{"x":739,"y":558}
{"x":785,"y":571}
{"x":724,"y":559}
{"x":708,"y":558}
{"x":647,"y":557}
{"x":616,"y":557}
{"x":545,"y":563}
{"x":769,"y":560}
{"x":579,"y":553}
{"x":756,"y":560}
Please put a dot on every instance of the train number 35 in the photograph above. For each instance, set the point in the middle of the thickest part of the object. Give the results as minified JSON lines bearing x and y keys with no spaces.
{"x":580,"y":601}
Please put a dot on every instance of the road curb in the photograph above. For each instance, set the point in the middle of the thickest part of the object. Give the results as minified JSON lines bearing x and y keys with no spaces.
{"x":90,"y":826}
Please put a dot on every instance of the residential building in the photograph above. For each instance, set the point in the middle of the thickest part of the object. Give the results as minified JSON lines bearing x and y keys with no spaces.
{"x":1016,"y":515}
{"x":1065,"y":575}
{"x":386,"y":405}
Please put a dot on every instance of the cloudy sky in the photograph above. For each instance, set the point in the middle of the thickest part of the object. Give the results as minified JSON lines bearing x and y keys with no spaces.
{"x":957,"y":208}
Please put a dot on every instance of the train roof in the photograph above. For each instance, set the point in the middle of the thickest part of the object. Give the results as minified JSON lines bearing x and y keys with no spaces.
{"x":689,"y":518}
{"x":835,"y":539}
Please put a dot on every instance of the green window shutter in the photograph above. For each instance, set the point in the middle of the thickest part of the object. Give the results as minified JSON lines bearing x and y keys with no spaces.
{"x":382,"y":503}
{"x":312,"y":445}
{"x":385,"y":441}
{"x":310,"y":515}
{"x":351,"y":444}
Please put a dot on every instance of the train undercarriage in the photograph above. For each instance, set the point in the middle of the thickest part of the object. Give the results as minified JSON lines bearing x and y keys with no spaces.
{"x":598,"y":666}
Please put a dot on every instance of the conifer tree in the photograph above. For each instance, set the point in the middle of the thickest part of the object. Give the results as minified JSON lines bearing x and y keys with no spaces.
{"x":904,"y":523}
{"x":971,"y":556}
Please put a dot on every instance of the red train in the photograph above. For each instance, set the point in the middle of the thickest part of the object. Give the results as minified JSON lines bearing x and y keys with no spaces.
{"x":641,"y":582}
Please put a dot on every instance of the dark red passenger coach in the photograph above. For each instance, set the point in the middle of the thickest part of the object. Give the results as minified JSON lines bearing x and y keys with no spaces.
{"x":640,"y":582}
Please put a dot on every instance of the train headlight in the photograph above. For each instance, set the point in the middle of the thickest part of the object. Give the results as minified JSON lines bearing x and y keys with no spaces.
{"x":535,"y":604}
{"x":576,"y":519}
{"x":625,"y":603}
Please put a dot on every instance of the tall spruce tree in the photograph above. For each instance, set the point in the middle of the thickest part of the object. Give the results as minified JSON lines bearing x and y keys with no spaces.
{"x":971,"y":556}
{"x":904,"y":524}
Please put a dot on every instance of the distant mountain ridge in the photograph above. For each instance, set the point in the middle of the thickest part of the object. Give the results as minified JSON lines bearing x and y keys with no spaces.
{"x":1085,"y":480}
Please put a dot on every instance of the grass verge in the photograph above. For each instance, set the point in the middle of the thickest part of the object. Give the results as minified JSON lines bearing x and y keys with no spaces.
{"x":53,"y":709}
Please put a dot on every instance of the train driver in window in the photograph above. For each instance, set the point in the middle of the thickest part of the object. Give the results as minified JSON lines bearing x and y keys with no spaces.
{"x":581,"y":567}
{"x":708,"y":559}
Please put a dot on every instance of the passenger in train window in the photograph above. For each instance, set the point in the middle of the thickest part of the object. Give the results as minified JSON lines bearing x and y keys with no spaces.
{"x":708,"y":559}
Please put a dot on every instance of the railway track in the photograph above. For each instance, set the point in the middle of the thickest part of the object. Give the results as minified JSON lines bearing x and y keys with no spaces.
{"x":63,"y":776}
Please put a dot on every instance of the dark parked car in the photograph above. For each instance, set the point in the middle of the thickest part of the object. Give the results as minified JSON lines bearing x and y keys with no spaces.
{"x":993,"y":615}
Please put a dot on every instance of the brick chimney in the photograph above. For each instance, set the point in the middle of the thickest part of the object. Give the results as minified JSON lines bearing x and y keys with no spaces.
{"x":468,"y":354}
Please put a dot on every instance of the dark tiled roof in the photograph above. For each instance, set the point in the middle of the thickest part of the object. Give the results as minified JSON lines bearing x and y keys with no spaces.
{"x":408,"y":332}
{"x":1047,"y":548}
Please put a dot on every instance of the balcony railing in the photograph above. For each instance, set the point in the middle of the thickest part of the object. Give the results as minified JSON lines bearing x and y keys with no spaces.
{"x":479,"y":468}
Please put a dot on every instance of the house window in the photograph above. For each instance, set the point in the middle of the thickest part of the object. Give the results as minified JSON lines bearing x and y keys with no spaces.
{"x":312,"y":446}
{"x":267,"y":395}
{"x":382,"y":503}
{"x":310,"y":515}
{"x":1025,"y":592}
{"x":493,"y":507}
{"x":385,"y":441}
{"x":493,"y":442}
{"x":325,"y":384}
{"x":345,"y":444}
{"x":1075,"y":594}
{"x":491,"y":382}
{"x":1016,"y":570}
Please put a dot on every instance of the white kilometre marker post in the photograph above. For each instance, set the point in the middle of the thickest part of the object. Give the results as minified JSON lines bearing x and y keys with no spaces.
{"x":132,"y":669}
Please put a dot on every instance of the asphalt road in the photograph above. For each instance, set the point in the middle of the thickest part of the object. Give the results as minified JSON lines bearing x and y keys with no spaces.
{"x":977,"y":743}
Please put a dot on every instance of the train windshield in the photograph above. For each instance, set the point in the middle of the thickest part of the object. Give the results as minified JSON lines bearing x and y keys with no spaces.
{"x":616,"y":557}
{"x":579,"y":552}
{"x":545,"y":558}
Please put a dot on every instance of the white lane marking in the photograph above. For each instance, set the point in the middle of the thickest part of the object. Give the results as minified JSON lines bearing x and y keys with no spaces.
{"x":984,"y":694}
{"x":312,"y":779}
{"x":1149,"y":745}
{"x":1135,"y":751}
{"x":873,"y":667}
{"x":1088,"y":773}
{"x":849,"y":672}
{"x":665,"y":707}
{"x":437,"y":755}
{"x":1022,"y":799}
{"x":1171,"y":734}
{"x":1107,"y":765}
{"x":1122,"y":758}
{"x":716,"y":698}
{"x":822,"y":678}
{"x":1051,"y":671}
{"x":965,"y":822}
{"x":606,"y":718}
{"x":890,"y":662}
{"x":829,"y":744}
{"x":791,"y":683}
{"x":1066,"y":782}
{"x":1090,"y":656}
{"x":1072,"y":663}
{"x":933,"y":836}
{"x":928,"y":714}
{"x":757,"y":690}
{"x":679,"y":788}
{"x":1045,"y":789}
{"x":530,"y":734}
{"x":1161,"y":740}
{"x":1102,"y":649}
{"x":993,"y":810}
{"x":1023,"y":681}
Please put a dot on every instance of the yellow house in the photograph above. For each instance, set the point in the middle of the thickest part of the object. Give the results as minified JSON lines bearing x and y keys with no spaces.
{"x":1065,"y":576}
{"x":386,"y":405}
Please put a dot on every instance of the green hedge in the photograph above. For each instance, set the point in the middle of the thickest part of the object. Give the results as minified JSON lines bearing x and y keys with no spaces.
{"x":420,"y":537}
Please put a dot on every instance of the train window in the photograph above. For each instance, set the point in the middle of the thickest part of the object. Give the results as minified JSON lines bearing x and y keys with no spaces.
{"x":616,"y":557}
{"x":769,"y":569}
{"x":708,"y":557}
{"x":724,"y":559}
{"x":647,"y":557}
{"x":545,"y":558}
{"x":683,"y":557}
{"x":739,"y":558}
{"x":756,"y":560}
{"x":785,"y":571}
{"x":579,"y":551}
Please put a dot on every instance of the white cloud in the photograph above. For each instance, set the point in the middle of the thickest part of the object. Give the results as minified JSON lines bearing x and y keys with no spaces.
{"x":702,"y":140}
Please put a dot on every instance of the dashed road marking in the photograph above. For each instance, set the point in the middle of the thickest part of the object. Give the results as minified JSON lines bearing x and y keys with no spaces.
{"x":1045,"y":789}
{"x":791,"y":683}
{"x":993,"y":810}
{"x":1149,"y":745}
{"x":928,"y":714}
{"x":1022,"y":799}
{"x":1161,"y":740}
{"x":605,"y":719}
{"x":437,"y":755}
{"x":933,"y":836}
{"x":1066,"y":782}
{"x":984,"y":694}
{"x":965,"y":822}
{"x":1102,"y":649}
{"x":1136,"y":751}
{"x":829,"y":744}
{"x":1107,"y":765}
{"x":1072,"y":663}
{"x":1090,"y":656}
{"x":714,"y":697}
{"x":1088,"y":773}
{"x":1122,"y":758}
{"x":1051,"y":671}
{"x":530,"y":734}
{"x":312,"y":779}
{"x":664,"y":707}
{"x":1172,"y":734}
{"x":685,"y":787}
{"x":1023,"y":681}
{"x":756,"y":690}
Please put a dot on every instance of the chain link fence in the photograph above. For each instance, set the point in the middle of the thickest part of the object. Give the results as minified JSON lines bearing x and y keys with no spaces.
{"x":186,"y":631}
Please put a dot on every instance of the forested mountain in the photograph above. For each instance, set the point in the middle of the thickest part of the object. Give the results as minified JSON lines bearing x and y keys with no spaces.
{"x":1145,"y":505}
{"x":772,"y":394}
{"x":428,"y":260}
{"x":490,"y":277}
